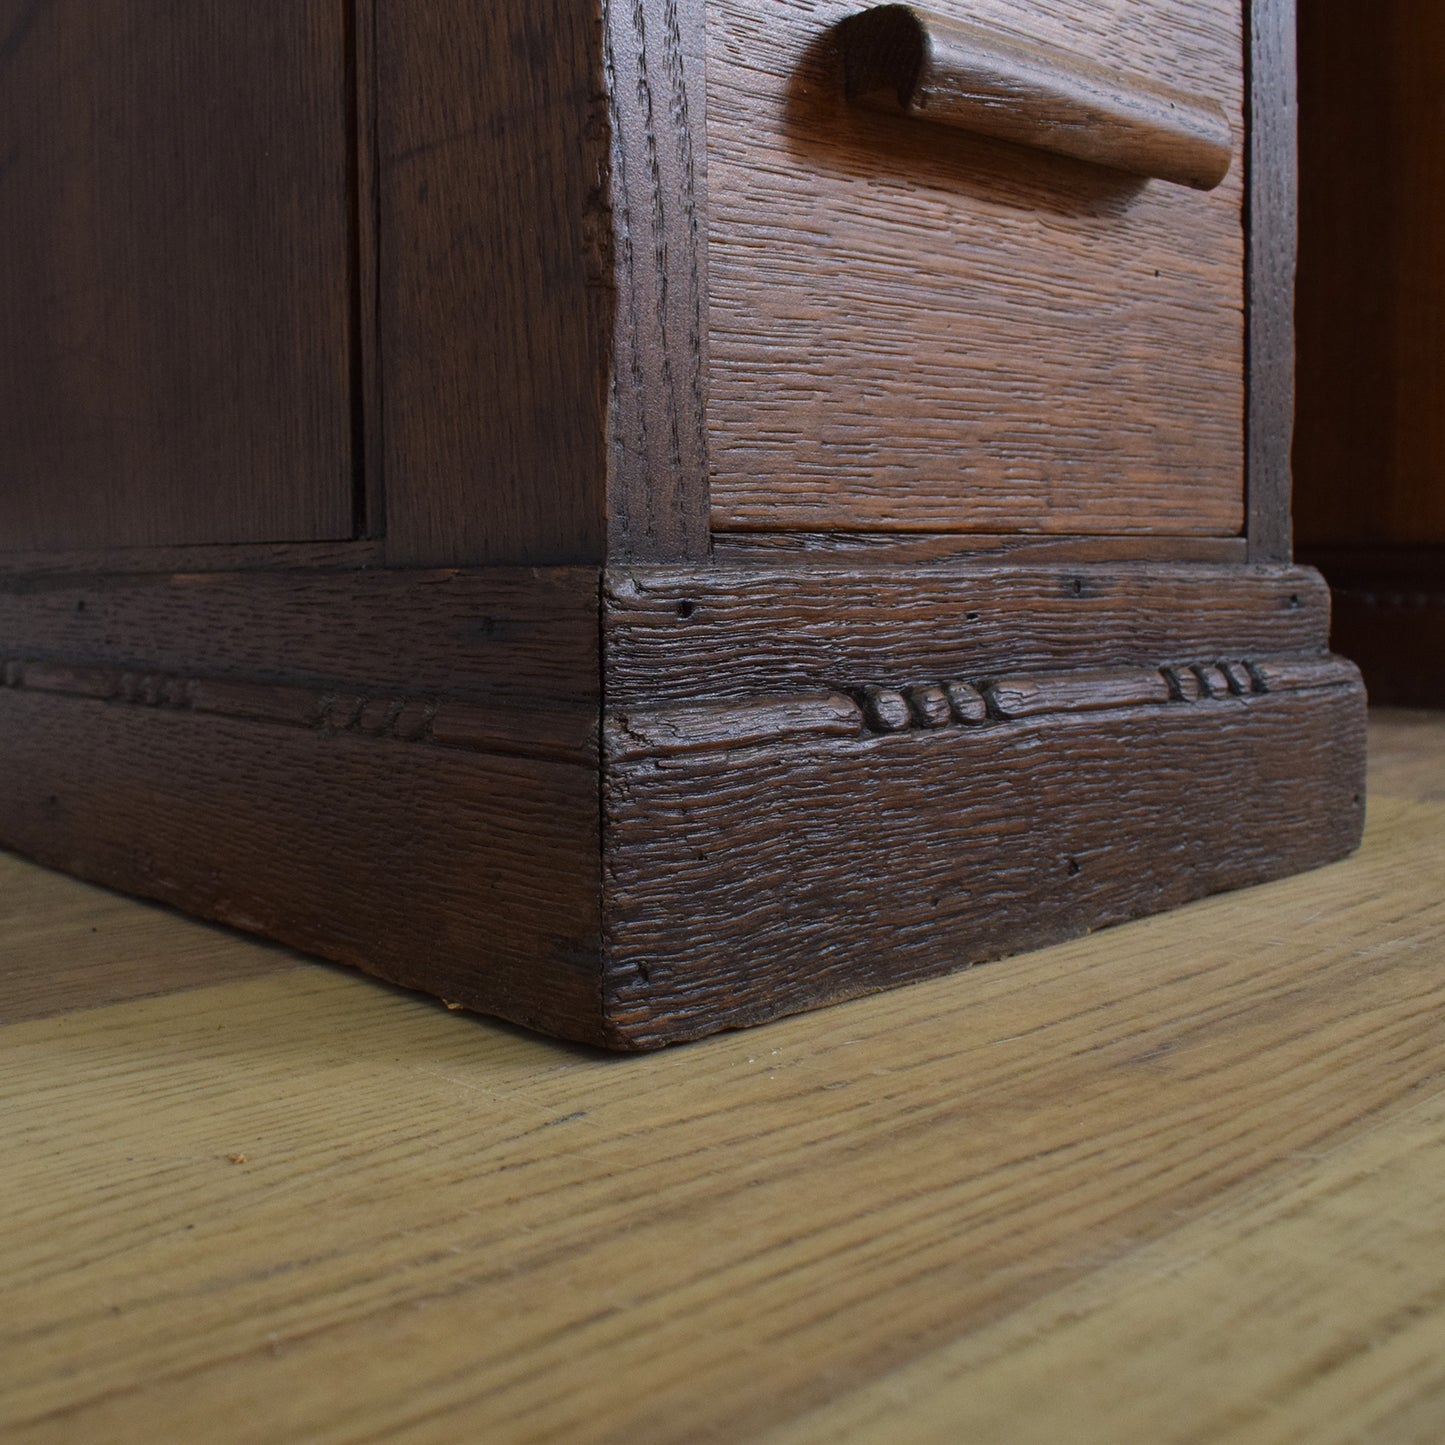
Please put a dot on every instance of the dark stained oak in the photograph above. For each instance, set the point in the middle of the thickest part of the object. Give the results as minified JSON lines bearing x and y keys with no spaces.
{"x":676,"y":634}
{"x":909,"y":60}
{"x":494,"y":293}
{"x":745,"y":885}
{"x":469,"y":875}
{"x":788,"y":549}
{"x":177,"y":280}
{"x":506,"y":636}
{"x":1271,"y":224}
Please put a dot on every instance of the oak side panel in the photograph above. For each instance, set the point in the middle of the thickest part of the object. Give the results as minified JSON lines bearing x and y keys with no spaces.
{"x":175,"y":299}
{"x":913,"y":329}
{"x":495,"y":280}
{"x":1371,"y":422}
{"x":1272,"y":226}
{"x":473,"y":877}
{"x":744,"y":883}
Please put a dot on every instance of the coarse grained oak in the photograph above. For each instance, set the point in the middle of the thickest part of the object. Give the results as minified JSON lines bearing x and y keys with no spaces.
{"x":469,"y":873}
{"x":471,"y":787}
{"x":542,"y":265}
{"x":746,"y":884}
{"x":550,"y":701}
{"x":1271,"y":221}
{"x":918,"y":330}
{"x":176,"y":293}
{"x":673,"y":634}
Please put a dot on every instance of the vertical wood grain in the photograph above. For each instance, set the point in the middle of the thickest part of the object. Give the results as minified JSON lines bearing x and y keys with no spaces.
{"x":1271,"y":220}
{"x":175,"y":320}
{"x":495,"y":295}
{"x":657,"y":456}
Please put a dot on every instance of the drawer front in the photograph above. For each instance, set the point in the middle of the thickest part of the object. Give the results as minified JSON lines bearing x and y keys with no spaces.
{"x":916,"y":328}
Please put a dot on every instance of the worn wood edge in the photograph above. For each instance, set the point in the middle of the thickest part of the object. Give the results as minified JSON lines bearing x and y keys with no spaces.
{"x":1272,"y":238}
{"x":472,"y":877}
{"x":217,"y":557}
{"x":677,"y":967}
{"x":679,"y":634}
{"x":506,"y":640}
{"x":766,"y":547}
{"x":654,"y":73}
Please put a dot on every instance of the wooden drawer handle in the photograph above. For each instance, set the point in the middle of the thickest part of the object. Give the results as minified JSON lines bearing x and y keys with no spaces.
{"x":906,"y":60}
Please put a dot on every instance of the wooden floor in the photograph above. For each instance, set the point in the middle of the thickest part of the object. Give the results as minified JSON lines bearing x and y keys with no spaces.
{"x":1183,"y":1181}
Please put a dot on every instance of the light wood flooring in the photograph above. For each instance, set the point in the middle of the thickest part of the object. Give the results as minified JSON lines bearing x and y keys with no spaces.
{"x":1180,"y":1181}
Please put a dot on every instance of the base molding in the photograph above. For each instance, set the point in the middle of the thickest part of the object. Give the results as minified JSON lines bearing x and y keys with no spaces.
{"x":731,"y":793}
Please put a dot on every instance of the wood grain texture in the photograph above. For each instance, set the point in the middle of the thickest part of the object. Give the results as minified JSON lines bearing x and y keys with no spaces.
{"x":967,"y":336}
{"x":1272,"y":225}
{"x":1371,"y":427}
{"x":68,"y":946}
{"x":1175,"y":1182}
{"x":175,"y":302}
{"x":512,"y":637}
{"x":677,"y":634}
{"x":1298,"y":1259}
{"x":907,"y":549}
{"x":657,"y":491}
{"x":472,"y":876}
{"x":911,"y":61}
{"x":228,"y":557}
{"x":496,"y":292}
{"x":742,"y":885}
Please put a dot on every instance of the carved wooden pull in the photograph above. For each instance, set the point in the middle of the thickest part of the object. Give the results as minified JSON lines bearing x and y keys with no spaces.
{"x":907,"y":60}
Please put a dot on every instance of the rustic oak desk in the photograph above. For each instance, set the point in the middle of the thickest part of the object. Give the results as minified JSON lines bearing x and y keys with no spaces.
{"x":640,"y":518}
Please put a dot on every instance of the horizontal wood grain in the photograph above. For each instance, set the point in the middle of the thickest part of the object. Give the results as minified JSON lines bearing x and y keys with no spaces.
{"x":176,"y":300}
{"x":907,"y":549}
{"x":69,"y":946}
{"x":470,"y":875}
{"x":918,"y":330}
{"x":744,"y":885}
{"x":1325,"y":1258}
{"x":677,"y":634}
{"x":909,"y":60}
{"x":494,"y":635}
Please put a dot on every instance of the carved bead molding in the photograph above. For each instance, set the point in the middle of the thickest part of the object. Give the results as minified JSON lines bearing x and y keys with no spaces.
{"x":881,"y":711}
{"x":567,"y":735}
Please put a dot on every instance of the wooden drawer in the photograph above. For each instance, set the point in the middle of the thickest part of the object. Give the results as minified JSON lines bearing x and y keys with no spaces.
{"x":914,"y":328}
